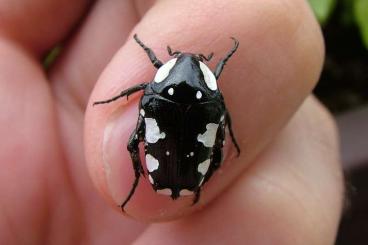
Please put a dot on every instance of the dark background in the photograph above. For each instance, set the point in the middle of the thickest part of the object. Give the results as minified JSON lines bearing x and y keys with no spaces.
{"x":344,"y":88}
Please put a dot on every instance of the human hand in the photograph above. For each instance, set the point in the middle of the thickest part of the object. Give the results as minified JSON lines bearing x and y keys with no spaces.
{"x":285,"y":188}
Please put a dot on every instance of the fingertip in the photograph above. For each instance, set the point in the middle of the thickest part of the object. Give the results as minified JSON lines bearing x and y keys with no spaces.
{"x":263,"y":74}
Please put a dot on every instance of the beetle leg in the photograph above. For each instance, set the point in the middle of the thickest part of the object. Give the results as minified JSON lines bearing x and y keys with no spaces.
{"x":151,"y":55}
{"x":216,"y":160}
{"x":214,"y":165}
{"x":126,"y":93}
{"x":222,"y":62}
{"x":229,"y":125}
{"x":133,"y":148}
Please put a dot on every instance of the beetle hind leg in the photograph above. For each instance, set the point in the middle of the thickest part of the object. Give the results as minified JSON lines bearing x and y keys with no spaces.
{"x":216,"y":160}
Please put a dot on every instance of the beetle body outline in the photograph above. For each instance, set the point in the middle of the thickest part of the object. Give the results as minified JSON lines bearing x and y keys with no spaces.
{"x":182,"y":120}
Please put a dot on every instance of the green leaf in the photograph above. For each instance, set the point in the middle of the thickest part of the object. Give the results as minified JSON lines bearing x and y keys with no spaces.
{"x":51,"y":56}
{"x":322,"y":9}
{"x":361,"y":17}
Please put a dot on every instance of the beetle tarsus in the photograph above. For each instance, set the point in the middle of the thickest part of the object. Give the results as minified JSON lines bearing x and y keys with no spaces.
{"x":221,"y":64}
{"x":151,"y":55}
{"x":126,"y":93}
{"x":132,"y":190}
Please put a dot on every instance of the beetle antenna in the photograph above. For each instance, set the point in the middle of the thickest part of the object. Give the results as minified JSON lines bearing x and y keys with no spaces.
{"x":208,"y":58}
{"x":171,"y":53}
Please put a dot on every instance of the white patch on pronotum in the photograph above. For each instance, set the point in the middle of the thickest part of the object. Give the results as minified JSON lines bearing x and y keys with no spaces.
{"x":167,"y":153}
{"x":142,"y":112}
{"x":203,"y":167}
{"x":153,"y":131}
{"x":151,"y":179}
{"x":166,"y":191}
{"x":191,"y":153}
{"x":208,"y":138}
{"x":222,"y":118}
{"x":152,"y":163}
{"x":185,"y":192}
{"x":209,"y":78}
{"x":164,"y":70}
{"x":199,"y":94}
{"x":170,"y":91}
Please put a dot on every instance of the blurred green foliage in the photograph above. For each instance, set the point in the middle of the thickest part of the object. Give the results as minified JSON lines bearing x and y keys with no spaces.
{"x":322,"y":9}
{"x":355,"y":12}
{"x":51,"y":57}
{"x":361,"y":18}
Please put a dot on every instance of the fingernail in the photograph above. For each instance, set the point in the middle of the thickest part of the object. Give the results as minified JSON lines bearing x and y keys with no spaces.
{"x":115,"y":155}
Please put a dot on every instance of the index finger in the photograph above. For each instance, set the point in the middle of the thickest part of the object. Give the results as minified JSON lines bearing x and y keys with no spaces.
{"x":277,"y":65}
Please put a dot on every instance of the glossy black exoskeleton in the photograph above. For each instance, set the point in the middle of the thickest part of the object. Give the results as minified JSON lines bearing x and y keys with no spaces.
{"x":182,"y":120}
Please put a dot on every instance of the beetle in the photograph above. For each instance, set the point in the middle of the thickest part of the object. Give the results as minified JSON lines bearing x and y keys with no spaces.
{"x":182,"y":119}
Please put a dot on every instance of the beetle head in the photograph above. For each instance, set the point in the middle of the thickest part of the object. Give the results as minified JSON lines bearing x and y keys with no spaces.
{"x":185,"y":79}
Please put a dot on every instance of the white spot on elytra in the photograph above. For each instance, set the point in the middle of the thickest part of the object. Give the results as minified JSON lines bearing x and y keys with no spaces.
{"x":209,"y":78}
{"x":199,"y":94}
{"x":167,"y":153}
{"x":185,"y":192}
{"x":152,"y":163}
{"x":170,"y":91}
{"x":150,"y":179}
{"x":208,"y":138}
{"x":191,"y":154}
{"x":187,"y":155}
{"x":164,"y":70}
{"x":203,"y":167}
{"x":153,"y":131}
{"x":166,"y":191}
{"x":142,"y":112}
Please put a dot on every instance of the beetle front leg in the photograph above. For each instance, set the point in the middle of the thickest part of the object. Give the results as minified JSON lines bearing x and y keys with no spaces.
{"x":133,"y":148}
{"x":222,"y":63}
{"x":151,"y":55}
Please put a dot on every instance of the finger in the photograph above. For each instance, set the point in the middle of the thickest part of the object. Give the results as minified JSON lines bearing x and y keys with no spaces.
{"x":278,"y":62}
{"x":38,"y":24}
{"x":105,"y":30}
{"x":292,"y":194}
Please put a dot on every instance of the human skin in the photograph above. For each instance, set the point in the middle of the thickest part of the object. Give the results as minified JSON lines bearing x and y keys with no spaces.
{"x":285,"y":188}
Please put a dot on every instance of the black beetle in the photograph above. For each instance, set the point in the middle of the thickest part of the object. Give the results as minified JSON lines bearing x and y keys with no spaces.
{"x":182,"y":120}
